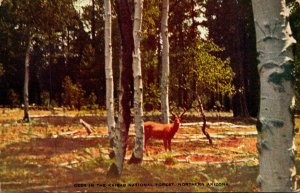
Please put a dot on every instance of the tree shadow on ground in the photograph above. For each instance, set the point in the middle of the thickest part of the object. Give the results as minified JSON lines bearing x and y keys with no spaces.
{"x":209,"y":118}
{"x":50,"y":146}
{"x":101,"y":120}
{"x":66,"y":120}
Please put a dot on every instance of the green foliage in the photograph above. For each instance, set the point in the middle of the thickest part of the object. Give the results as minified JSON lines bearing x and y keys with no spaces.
{"x":92,"y":99}
{"x":73,"y":94}
{"x":151,"y":97}
{"x":92,"y":102}
{"x":213,"y":74}
{"x":45,"y":98}
{"x":201,"y":72}
{"x":230,"y":25}
{"x":58,"y":40}
{"x":169,"y":159}
{"x":13,"y":98}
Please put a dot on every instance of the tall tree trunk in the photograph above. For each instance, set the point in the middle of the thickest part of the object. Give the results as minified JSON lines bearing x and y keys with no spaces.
{"x":109,"y":74}
{"x":276,"y":122}
{"x":93,"y":25}
{"x":26,"y":82}
{"x":237,"y":53}
{"x":125,"y":25}
{"x":137,"y":155}
{"x":164,"y":85}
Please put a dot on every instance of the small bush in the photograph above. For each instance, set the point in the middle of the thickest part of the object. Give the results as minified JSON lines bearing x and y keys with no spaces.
{"x":92,"y":102}
{"x":73,"y":94}
{"x":13,"y":98}
{"x":151,"y":97}
{"x":45,"y":99}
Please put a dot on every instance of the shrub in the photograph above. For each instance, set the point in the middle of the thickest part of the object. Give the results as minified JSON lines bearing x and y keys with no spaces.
{"x":13,"y":98}
{"x":73,"y":94}
{"x":45,"y":99}
{"x":92,"y":102}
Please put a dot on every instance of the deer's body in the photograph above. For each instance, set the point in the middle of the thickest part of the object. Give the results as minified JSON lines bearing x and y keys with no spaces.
{"x":165,"y":132}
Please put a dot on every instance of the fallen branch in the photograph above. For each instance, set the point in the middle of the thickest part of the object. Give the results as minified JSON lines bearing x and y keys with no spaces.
{"x":250,"y":133}
{"x":88,"y":127}
{"x":180,"y":140}
{"x":90,"y":136}
{"x":68,"y":163}
{"x":223,"y":162}
{"x":217,"y":124}
{"x":65,"y":133}
{"x":26,"y":133}
{"x":147,"y":159}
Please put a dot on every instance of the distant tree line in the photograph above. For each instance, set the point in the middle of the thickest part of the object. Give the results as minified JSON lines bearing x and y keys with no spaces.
{"x":68,"y":47}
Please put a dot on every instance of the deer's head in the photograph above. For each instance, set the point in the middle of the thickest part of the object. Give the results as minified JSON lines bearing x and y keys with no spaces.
{"x":178,"y":118}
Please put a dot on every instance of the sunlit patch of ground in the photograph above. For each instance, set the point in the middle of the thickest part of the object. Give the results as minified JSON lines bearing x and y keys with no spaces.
{"x":55,"y":153}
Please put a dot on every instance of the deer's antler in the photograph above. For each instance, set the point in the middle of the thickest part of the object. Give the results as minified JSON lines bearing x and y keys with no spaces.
{"x":184,"y":111}
{"x":171,"y":111}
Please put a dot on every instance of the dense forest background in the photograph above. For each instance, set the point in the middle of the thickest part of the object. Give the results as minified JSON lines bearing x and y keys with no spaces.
{"x":212,"y":42}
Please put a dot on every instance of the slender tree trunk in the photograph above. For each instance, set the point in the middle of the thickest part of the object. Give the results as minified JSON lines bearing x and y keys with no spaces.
{"x":125,"y":25}
{"x":137,"y":155}
{"x":109,"y":74}
{"x":201,"y":110}
{"x":164,"y":86}
{"x":240,"y":108}
{"x":93,"y":25}
{"x":275,"y":126}
{"x":26,"y":82}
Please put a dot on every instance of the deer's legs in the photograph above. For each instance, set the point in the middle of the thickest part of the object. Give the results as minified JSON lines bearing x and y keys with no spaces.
{"x":166,"y":144}
{"x":169,"y":145}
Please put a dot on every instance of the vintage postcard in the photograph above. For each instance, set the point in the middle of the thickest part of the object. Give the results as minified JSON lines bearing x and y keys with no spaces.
{"x":149,"y":95}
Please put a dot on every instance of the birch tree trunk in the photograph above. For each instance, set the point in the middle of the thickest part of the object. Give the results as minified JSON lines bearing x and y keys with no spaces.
{"x":164,"y":85}
{"x":276,"y":122}
{"x":123,"y":10}
{"x":137,"y":155}
{"x":26,"y":82}
{"x":109,"y":74}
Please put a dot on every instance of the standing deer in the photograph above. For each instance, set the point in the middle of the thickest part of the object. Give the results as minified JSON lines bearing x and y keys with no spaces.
{"x":165,"y":132}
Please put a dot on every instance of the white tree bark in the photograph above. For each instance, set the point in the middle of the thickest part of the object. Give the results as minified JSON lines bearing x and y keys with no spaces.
{"x":164,"y":85}
{"x":138,"y":84}
{"x":26,"y":82}
{"x":109,"y":74}
{"x":276,"y":123}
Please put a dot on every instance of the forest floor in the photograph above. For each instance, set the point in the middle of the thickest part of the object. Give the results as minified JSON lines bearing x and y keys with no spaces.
{"x":55,"y":153}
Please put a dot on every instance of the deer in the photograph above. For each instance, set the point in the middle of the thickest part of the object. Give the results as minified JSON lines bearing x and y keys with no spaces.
{"x":165,"y":132}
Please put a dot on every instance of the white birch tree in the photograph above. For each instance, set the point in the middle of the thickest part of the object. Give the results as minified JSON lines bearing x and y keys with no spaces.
{"x":109,"y":73}
{"x":276,"y":123}
{"x":164,"y":85}
{"x":137,"y":155}
{"x":125,"y":22}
